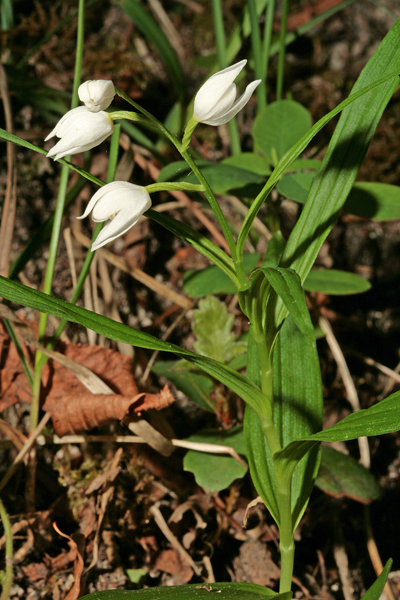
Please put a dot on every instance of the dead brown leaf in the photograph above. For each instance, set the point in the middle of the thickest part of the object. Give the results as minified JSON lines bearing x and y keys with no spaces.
{"x":36,"y":571}
{"x":75,"y":555}
{"x":170,"y":562}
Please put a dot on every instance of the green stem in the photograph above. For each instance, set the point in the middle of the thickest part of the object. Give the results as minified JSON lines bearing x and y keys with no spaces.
{"x":55,"y":235}
{"x":259,"y":71}
{"x":282,"y":50}
{"x":266,"y":49}
{"x":164,"y":186}
{"x":237,"y":260}
{"x":286,"y":540}
{"x":222,"y":60}
{"x":8,"y":576}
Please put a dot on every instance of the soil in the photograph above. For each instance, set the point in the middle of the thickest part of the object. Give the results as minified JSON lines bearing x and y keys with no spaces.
{"x":117,"y":504}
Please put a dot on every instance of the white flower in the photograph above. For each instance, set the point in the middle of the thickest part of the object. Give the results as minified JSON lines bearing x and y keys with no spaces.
{"x":80,"y":130}
{"x":96,"y":95}
{"x":119,"y":203}
{"x":215,"y":102}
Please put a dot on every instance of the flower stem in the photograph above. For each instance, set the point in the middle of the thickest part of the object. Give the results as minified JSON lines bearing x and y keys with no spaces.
{"x":8,"y":575}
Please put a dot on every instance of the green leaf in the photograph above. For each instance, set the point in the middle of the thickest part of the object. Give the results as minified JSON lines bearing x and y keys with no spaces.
{"x":381,"y":418}
{"x":212,"y":325}
{"x":195,"y":386}
{"x":335,"y":282}
{"x":135,"y":575}
{"x":216,"y":472}
{"x":377,"y":201}
{"x":278,"y":126}
{"x":376,"y":589}
{"x":341,"y":475}
{"x":202,"y":282}
{"x":156,"y":37}
{"x":221,"y":177}
{"x":196,"y":591}
{"x":286,"y":284}
{"x":262,"y":469}
{"x":345,"y":153}
{"x":297,"y":411}
{"x":250,"y":161}
{"x":296,"y":186}
{"x":275,"y":248}
{"x":15,"y":292}
{"x":298,"y":405}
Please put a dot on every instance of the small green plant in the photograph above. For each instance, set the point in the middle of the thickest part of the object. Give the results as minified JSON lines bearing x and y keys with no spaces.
{"x":282,"y":386}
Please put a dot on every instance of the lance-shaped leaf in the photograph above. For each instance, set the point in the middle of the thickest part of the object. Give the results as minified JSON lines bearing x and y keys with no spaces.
{"x":286,"y":284}
{"x":15,"y":292}
{"x":377,"y":420}
{"x":197,"y":591}
{"x":346,"y":151}
{"x":376,"y":589}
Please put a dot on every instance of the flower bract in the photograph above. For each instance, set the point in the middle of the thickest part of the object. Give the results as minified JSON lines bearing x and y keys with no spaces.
{"x":80,"y":130}
{"x":215,"y":102}
{"x":120,"y":204}
{"x":96,"y":94}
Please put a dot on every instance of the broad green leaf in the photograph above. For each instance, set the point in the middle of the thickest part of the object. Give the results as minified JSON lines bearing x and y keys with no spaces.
{"x":195,"y":591}
{"x":296,"y":186}
{"x":212,"y":325}
{"x":216,"y":472}
{"x":221,"y":177}
{"x":345,"y":153}
{"x":381,"y":418}
{"x":377,"y":201}
{"x":251,"y":161}
{"x":258,"y":454}
{"x":341,"y":475}
{"x":298,"y":405}
{"x":335,"y":282}
{"x":376,"y":589}
{"x":212,"y":280}
{"x":286,"y":284}
{"x":15,"y":292}
{"x":293,"y":153}
{"x":195,"y":386}
{"x":156,"y":37}
{"x":278,"y":126}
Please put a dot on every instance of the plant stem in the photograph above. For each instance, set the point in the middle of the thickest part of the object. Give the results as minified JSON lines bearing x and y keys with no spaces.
{"x":8,"y":577}
{"x":282,"y":50}
{"x":266,"y":49}
{"x":55,"y":235}
{"x":259,"y":71}
{"x":286,"y":541}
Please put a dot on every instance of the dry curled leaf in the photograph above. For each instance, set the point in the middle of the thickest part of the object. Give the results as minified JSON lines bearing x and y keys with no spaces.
{"x":74,"y":413}
{"x":76,"y":556}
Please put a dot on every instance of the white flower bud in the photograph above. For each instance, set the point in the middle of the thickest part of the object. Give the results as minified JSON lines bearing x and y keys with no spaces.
{"x":97,"y":94}
{"x":120,"y":204}
{"x":215,"y":102}
{"x":80,"y":130}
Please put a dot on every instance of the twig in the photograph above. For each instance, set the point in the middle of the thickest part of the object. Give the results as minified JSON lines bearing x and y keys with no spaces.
{"x":348,"y":382}
{"x":162,"y":524}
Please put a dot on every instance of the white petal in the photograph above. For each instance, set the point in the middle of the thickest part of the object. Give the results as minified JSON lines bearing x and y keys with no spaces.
{"x":214,"y":88}
{"x":124,"y":220}
{"x":97,"y":94}
{"x":224,"y":104}
{"x":239,"y":104}
{"x":71,"y":113}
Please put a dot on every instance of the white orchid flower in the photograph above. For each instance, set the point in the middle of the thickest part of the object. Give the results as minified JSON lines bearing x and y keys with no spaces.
{"x":119,"y":203}
{"x":96,"y":94}
{"x":80,"y":130}
{"x":215,"y":102}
